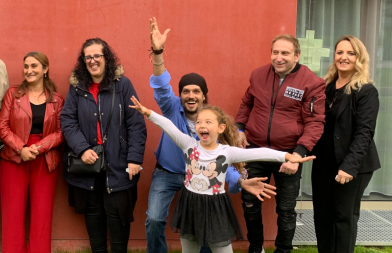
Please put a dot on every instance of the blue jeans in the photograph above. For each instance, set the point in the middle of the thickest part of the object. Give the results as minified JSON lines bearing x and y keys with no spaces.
{"x":164,"y":186}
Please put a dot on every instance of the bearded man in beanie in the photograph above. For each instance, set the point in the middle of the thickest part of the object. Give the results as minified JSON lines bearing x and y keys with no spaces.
{"x":169,"y":173}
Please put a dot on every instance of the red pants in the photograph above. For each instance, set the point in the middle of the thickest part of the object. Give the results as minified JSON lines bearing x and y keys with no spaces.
{"x":17,"y":182}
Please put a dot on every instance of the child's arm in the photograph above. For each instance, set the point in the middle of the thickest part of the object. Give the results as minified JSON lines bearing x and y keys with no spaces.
{"x":179,"y":138}
{"x":263,"y":154}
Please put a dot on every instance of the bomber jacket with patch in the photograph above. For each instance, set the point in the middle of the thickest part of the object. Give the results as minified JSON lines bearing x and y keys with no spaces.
{"x":286,"y":117}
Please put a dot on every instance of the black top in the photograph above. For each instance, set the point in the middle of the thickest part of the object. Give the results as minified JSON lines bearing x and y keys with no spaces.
{"x":38,"y":118}
{"x":353,"y":125}
{"x":332,"y":101}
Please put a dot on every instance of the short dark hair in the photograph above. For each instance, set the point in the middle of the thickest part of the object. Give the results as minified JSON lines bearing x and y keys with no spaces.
{"x":289,"y":38}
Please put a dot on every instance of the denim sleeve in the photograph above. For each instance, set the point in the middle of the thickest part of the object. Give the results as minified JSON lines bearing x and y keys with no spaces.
{"x":232,"y":177}
{"x":163,"y":92}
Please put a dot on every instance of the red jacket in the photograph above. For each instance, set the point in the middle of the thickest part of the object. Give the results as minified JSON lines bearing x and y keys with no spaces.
{"x":290,"y":117}
{"x":16,"y":122}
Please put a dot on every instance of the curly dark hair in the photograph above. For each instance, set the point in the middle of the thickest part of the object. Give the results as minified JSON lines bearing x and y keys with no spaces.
{"x":111,"y":62}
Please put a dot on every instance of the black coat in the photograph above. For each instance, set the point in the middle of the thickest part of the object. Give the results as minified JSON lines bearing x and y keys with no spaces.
{"x":354,"y":130}
{"x":126,"y":135}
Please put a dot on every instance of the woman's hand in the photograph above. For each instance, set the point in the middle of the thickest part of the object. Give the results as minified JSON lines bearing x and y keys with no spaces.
{"x":157,"y":39}
{"x":27,"y":154}
{"x":89,"y":156}
{"x":343,"y":177}
{"x":34,"y":149}
{"x":138,"y":106}
{"x":134,"y":169}
{"x":258,"y":188}
{"x":295,"y":159}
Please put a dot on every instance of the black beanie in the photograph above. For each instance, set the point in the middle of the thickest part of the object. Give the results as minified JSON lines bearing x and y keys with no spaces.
{"x":193,"y":78}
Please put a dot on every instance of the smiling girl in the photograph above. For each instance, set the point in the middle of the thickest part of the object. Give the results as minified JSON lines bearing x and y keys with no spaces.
{"x":204,"y":214}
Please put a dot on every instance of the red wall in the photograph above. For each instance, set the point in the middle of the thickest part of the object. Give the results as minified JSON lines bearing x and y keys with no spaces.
{"x":223,"y":40}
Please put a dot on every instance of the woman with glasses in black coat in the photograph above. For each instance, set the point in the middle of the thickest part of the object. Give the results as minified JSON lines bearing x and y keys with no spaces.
{"x":106,"y":199}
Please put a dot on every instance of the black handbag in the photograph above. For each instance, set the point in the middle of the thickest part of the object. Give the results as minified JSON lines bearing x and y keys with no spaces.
{"x":75,"y":163}
{"x":77,"y":166}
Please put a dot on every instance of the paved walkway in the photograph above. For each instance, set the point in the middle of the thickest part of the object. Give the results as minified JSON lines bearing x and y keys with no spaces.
{"x":374,"y":228}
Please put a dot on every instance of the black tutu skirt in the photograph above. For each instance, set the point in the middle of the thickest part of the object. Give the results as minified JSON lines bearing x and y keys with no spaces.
{"x":208,"y":219}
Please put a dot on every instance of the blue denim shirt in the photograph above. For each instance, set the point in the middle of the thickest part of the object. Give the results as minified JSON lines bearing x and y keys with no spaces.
{"x":168,"y":154}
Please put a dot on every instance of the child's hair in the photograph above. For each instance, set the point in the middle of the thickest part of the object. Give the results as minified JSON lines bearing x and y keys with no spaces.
{"x":229,"y":135}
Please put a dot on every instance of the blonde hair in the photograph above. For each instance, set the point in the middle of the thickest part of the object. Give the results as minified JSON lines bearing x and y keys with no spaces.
{"x":361,"y":75}
{"x":229,"y":135}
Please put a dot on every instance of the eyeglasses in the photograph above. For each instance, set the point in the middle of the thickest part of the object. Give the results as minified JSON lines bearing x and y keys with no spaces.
{"x":96,"y":57}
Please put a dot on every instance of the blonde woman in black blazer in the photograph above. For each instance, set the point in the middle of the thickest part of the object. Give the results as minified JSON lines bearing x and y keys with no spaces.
{"x":346,"y":153}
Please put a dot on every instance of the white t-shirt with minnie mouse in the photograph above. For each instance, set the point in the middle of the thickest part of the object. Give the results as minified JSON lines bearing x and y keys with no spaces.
{"x":206,"y":169}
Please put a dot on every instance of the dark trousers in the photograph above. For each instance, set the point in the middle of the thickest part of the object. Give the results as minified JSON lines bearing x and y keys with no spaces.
{"x":102,"y":213}
{"x":336,"y":209}
{"x":287,"y":189}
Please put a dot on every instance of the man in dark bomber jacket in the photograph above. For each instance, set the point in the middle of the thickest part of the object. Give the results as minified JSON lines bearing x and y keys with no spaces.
{"x":283,"y":109}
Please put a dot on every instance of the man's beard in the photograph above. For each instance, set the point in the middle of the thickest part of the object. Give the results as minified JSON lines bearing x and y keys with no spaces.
{"x":195,"y":111}
{"x":191,"y":112}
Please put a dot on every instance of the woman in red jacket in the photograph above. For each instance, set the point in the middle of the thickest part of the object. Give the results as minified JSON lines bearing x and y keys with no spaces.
{"x":31,"y":132}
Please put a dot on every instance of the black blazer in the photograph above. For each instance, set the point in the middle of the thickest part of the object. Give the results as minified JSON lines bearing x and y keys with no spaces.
{"x":355,"y":125}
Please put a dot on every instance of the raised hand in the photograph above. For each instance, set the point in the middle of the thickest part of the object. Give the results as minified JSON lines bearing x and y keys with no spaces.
{"x":256,"y":187}
{"x":138,"y":106}
{"x":157,"y":39}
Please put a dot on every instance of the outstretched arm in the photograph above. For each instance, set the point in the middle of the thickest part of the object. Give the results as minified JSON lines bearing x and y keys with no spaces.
{"x":179,"y":138}
{"x":157,"y":43}
{"x":139,"y":107}
{"x":263,"y":154}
